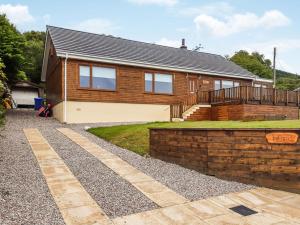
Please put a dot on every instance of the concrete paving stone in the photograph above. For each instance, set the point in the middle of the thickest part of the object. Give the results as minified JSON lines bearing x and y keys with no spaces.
{"x":282,"y":210}
{"x":167,"y":198}
{"x":150,"y":187}
{"x":85,"y":215}
{"x":224,"y":201}
{"x":75,"y":199}
{"x":292,"y":201}
{"x":275,"y":195}
{"x":206,"y":209}
{"x":263,"y":218}
{"x":228,"y":219}
{"x":65,"y":188}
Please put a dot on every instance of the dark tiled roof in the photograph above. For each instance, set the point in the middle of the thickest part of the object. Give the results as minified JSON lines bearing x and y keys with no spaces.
{"x":103,"y":46}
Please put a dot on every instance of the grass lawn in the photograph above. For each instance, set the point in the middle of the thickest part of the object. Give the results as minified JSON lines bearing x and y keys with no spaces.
{"x":136,"y":137}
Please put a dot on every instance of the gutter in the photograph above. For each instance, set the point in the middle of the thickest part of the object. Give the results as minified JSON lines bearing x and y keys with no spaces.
{"x":65,"y":88}
{"x":146,"y":65}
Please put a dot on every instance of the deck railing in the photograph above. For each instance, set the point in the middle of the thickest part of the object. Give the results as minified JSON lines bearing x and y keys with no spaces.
{"x":241,"y":94}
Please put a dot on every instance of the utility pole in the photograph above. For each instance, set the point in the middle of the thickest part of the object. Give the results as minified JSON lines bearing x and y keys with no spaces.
{"x":274,"y":68}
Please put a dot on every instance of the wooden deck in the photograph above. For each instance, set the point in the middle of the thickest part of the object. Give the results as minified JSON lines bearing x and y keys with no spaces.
{"x":238,"y":95}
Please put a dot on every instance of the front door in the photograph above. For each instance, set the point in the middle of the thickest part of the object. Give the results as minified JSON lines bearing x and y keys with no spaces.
{"x":193,"y":85}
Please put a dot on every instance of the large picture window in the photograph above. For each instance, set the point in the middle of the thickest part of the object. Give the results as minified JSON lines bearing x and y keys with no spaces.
{"x":104,"y":78}
{"x":159,"y":83}
{"x":219,"y":84}
{"x":227,"y":84}
{"x":84,"y":73}
{"x":96,"y":77}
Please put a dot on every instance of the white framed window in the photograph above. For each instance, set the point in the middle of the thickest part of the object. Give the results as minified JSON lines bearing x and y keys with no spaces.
{"x":159,"y":83}
{"x":84,"y":76}
{"x":217,"y":84}
{"x":104,"y":78}
{"x":148,"y":82}
{"x":227,"y":84}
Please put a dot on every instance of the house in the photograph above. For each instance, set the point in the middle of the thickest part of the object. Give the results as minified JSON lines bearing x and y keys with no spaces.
{"x":24,"y":92}
{"x":100,"y":78}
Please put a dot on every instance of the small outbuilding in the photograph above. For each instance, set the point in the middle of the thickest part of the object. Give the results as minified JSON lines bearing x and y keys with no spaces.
{"x":24,"y":92}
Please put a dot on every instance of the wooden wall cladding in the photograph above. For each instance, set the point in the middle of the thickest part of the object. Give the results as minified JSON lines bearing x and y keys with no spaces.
{"x":243,"y":155}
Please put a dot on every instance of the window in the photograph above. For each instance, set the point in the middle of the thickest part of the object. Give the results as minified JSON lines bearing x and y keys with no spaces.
{"x":84,"y":72}
{"x":159,"y":83}
{"x":236,"y":84}
{"x":217,"y":84}
{"x":227,"y":84}
{"x":148,"y":82}
{"x":104,"y":78}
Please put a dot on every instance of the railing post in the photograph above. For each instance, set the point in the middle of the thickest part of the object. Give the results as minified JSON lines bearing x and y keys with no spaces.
{"x":274,"y":96}
{"x":209,"y":97}
{"x":223,"y":95}
{"x":261,"y":88}
{"x":247,"y":93}
{"x":180,"y":110}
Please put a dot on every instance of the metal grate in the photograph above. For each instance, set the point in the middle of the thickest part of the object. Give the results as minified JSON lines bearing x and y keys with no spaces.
{"x":243,"y":210}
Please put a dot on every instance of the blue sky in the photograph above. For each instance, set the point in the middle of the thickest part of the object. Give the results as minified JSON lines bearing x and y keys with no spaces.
{"x":222,"y":27}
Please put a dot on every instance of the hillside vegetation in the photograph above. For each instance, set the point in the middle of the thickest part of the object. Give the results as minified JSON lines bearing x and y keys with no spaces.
{"x":262,"y":67}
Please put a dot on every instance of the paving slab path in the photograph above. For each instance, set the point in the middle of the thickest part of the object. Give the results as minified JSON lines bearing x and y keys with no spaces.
{"x":29,"y":193}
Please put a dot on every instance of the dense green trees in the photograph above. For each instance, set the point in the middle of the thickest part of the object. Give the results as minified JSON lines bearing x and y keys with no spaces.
{"x":22,"y":54}
{"x":258,"y":65}
{"x":11,"y":50}
{"x":255,"y":63}
{"x":33,"y":51}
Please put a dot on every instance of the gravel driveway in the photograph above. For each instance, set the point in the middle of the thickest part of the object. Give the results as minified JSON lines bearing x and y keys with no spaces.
{"x":25,"y":198}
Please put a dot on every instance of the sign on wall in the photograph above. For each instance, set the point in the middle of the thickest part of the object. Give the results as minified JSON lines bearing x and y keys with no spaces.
{"x":282,"y":138}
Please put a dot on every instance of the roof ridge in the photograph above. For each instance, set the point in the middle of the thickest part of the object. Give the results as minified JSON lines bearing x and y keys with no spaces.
{"x":142,"y":42}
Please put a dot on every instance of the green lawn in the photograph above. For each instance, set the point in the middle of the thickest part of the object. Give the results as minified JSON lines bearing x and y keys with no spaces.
{"x":136,"y":137}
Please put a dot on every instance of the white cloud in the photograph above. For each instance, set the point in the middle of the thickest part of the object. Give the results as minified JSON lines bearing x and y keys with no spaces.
{"x":17,"y":14}
{"x":217,"y":8}
{"x":168,"y":42}
{"x":96,"y":25}
{"x":155,"y":2}
{"x":240,"y":22}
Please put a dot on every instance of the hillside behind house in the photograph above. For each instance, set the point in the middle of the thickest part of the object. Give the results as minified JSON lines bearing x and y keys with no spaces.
{"x":262,"y":67}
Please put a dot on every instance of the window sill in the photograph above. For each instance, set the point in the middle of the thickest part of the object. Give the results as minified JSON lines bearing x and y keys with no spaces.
{"x":153,"y":93}
{"x":95,"y":89}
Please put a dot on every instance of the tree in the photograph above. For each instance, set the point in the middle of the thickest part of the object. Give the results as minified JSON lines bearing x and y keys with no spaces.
{"x":33,"y":50}
{"x":255,"y":63}
{"x":11,"y":50}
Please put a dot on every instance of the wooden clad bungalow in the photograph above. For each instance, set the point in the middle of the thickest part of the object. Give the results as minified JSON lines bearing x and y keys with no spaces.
{"x":99,"y":78}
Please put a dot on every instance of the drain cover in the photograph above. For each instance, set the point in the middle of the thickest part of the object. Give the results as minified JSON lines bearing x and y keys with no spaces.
{"x":243,"y":210}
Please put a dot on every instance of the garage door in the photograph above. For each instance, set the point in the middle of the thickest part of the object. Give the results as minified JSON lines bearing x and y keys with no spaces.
{"x":23,"y":96}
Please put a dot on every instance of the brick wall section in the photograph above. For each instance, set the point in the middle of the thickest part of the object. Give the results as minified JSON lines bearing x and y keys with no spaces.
{"x":203,"y":113}
{"x":243,"y":155}
{"x":248,"y":111}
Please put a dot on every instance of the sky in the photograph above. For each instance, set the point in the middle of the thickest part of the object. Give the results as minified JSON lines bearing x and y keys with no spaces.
{"x":221,"y":27}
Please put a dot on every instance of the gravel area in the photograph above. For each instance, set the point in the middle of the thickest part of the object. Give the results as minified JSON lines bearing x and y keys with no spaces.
{"x":189,"y":183}
{"x":25,"y":198}
{"x":24,"y":194}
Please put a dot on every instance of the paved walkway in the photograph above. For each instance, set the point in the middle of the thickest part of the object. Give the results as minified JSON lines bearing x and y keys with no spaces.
{"x":77,"y":206}
{"x":74,"y":203}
